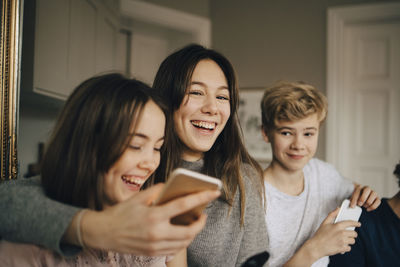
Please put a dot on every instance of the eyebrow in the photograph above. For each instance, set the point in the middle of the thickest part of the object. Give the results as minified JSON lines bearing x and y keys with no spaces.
{"x":204,"y":85}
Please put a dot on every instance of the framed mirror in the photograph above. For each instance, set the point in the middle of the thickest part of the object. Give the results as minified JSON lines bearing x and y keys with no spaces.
{"x":10,"y":58}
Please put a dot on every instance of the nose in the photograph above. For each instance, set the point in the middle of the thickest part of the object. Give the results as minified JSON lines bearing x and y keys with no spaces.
{"x":149,"y":160}
{"x":297,"y":143}
{"x":210,"y":105}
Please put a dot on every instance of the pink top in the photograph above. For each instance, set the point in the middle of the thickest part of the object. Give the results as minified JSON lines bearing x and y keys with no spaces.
{"x":21,"y":255}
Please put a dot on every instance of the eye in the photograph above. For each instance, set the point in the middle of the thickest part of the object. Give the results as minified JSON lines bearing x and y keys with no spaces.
{"x":222,"y":97}
{"x":309,"y":134}
{"x":135,"y":147}
{"x":158,"y":148}
{"x":286,"y":133}
{"x":195,"y":92}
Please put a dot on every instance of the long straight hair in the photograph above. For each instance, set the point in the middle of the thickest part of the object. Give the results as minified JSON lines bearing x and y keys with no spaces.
{"x":92,"y":132}
{"x":228,"y":153}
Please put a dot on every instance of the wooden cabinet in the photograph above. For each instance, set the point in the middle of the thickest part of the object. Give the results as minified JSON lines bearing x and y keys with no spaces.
{"x":74,"y":40}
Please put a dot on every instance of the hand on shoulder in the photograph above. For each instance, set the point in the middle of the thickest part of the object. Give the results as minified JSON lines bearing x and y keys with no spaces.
{"x":364,"y":196}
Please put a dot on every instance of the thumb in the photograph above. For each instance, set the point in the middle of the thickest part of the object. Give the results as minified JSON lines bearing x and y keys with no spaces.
{"x":148,"y":195}
{"x":331,"y":216}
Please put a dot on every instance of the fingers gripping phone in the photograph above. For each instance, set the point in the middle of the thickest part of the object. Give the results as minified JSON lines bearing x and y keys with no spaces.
{"x":346,"y":213}
{"x":183,"y":182}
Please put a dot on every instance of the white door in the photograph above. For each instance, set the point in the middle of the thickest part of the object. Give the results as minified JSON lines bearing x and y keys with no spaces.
{"x":366,"y":132}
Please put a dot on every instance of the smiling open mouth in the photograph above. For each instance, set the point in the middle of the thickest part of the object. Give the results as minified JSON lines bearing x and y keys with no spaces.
{"x":204,"y":125}
{"x":133,"y":181}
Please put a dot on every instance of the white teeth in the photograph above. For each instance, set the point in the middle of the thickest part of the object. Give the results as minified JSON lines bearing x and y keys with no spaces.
{"x":204,"y":124}
{"x":133,"y":180}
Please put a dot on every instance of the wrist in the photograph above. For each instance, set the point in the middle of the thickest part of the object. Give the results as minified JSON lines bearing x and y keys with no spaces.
{"x":79,"y":234}
{"x":91,"y":229}
{"x":73,"y":234}
{"x":305,"y":256}
{"x":311,"y":251}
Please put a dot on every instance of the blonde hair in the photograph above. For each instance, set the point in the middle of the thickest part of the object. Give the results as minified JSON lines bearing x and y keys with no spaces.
{"x":291,"y":101}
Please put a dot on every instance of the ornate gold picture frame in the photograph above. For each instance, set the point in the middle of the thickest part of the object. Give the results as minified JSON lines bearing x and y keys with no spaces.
{"x":10,"y":58}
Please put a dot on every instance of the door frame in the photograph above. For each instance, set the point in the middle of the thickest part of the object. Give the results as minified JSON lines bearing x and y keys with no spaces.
{"x":338,"y":19}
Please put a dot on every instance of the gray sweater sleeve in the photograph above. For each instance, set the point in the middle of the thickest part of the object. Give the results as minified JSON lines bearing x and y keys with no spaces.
{"x":29,"y":216}
{"x":255,"y":239}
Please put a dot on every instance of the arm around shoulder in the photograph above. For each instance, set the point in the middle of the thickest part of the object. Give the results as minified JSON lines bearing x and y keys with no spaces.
{"x":29,"y":216}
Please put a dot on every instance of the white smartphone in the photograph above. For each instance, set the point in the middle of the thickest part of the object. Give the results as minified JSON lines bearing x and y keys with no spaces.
{"x":348,"y":214}
{"x":183,"y":182}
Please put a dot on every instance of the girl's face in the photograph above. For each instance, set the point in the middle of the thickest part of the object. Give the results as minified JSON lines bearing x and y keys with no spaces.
{"x":204,"y":111}
{"x":294,"y":143}
{"x":139,"y":160}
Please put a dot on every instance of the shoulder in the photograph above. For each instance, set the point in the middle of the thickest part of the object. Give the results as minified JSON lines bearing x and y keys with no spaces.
{"x":248,"y":170}
{"x":322,"y":170}
{"x":254,"y":190}
{"x":378,"y":216}
{"x":6,"y":246}
{"x":34,"y":181}
{"x":327,"y":180}
{"x":317,"y":165}
{"x":20,"y":186}
{"x":18,"y":254}
{"x":251,"y":177}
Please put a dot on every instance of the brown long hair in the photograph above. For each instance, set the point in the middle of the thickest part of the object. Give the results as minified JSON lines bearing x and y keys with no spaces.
{"x":228,"y":153}
{"x":90,"y":135}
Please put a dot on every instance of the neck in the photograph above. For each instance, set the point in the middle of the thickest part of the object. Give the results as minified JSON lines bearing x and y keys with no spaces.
{"x":191,"y":156}
{"x":286,"y":181}
{"x":394,"y":203}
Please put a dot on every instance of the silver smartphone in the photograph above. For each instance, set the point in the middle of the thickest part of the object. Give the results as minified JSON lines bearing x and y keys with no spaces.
{"x":183,"y":182}
{"x":348,"y":214}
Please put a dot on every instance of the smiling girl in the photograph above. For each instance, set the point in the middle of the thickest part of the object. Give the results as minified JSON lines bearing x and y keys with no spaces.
{"x":201,"y":89}
{"x":106,"y":144}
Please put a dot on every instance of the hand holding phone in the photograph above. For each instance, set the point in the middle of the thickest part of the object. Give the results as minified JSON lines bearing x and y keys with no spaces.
{"x":347,"y":213}
{"x":183,"y":182}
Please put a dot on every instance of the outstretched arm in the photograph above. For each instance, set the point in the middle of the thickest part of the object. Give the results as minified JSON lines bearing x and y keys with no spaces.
{"x":329,"y":239}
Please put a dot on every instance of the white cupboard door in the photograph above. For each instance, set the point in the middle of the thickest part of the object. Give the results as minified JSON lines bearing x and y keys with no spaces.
{"x":51,"y":47}
{"x":106,"y":42}
{"x":82,"y":42}
{"x":147,"y":53}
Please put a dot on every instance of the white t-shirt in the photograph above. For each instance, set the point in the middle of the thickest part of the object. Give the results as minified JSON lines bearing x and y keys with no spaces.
{"x":291,"y":220}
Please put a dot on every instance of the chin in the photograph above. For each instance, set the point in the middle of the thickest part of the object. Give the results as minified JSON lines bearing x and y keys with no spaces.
{"x":126,"y":196}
